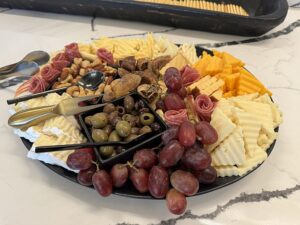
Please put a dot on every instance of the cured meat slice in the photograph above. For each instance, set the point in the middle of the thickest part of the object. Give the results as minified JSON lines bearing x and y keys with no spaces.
{"x":60,"y":56}
{"x":49,"y":73}
{"x":189,"y":75}
{"x":204,"y":107}
{"x":60,"y":64}
{"x":37,"y":84}
{"x":72,"y":51}
{"x":176,"y":117}
{"x":105,"y":55}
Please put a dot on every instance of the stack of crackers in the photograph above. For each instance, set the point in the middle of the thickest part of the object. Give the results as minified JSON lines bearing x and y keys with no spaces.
{"x":245,"y":126}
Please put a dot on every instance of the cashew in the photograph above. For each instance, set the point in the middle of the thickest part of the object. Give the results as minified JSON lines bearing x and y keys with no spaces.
{"x":67,"y":80}
{"x":82,"y":72}
{"x":85,"y":64}
{"x":63,"y":85}
{"x":72,"y":89}
{"x":64,"y":73}
{"x":89,"y":92}
{"x":74,"y":68}
{"x":77,"y":61}
{"x":81,"y":91}
{"x":96,"y":62}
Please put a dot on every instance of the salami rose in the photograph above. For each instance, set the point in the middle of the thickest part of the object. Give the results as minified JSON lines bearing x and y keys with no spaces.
{"x":105,"y":55}
{"x":60,"y":56}
{"x":60,"y":64}
{"x":72,"y":51}
{"x":189,"y":75}
{"x":49,"y":73}
{"x":37,"y":84}
{"x":204,"y":107}
{"x":176,"y":117}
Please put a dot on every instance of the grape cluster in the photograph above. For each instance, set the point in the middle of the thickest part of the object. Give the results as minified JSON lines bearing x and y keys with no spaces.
{"x":172,"y":172}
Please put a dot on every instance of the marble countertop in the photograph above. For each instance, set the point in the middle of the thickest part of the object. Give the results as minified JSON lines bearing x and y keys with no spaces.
{"x":31,"y":194}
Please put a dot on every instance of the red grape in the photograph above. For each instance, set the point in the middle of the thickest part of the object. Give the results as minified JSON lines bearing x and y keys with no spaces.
{"x":158,"y":184}
{"x":79,"y":160}
{"x":145,"y":158}
{"x":174,"y":102}
{"x":206,"y":176}
{"x":170,"y":154}
{"x":182,"y":92}
{"x":102,"y":183}
{"x":187,"y":134}
{"x":184,"y":182}
{"x":196,"y":158}
{"x":89,"y":151}
{"x":176,"y":202}
{"x":139,"y":178}
{"x":172,"y":79}
{"x":206,"y":133}
{"x":119,"y":175}
{"x":170,"y":134}
{"x":84,"y":177}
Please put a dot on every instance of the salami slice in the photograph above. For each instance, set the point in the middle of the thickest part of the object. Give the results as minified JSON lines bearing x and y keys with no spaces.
{"x":204,"y":107}
{"x":72,"y":51}
{"x":189,"y":75}
{"x":176,"y":117}
{"x":37,"y":84}
{"x":60,"y":56}
{"x":60,"y":64}
{"x":105,"y":55}
{"x":49,"y":73}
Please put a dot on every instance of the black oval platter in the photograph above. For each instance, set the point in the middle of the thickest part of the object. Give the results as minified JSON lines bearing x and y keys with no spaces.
{"x":129,"y":191}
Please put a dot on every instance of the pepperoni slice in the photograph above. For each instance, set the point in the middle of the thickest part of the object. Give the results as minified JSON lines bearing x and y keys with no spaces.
{"x":49,"y":73}
{"x":176,"y":117}
{"x":204,"y":107}
{"x":37,"y":84}
{"x":105,"y":55}
{"x":72,"y":51}
{"x":189,"y":75}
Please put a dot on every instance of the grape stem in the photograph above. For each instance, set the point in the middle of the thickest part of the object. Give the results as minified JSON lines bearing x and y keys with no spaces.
{"x":97,"y":166}
{"x":131,"y":165}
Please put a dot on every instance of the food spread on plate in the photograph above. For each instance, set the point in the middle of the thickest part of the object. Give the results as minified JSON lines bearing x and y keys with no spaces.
{"x":220,"y":118}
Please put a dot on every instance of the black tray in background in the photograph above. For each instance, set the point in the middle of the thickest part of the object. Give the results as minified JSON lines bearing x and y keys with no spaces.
{"x":264,"y":14}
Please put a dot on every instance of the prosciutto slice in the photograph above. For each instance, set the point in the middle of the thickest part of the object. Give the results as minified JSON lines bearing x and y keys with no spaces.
{"x":105,"y":55}
{"x":204,"y":107}
{"x":72,"y":51}
{"x":49,"y":73}
{"x":189,"y":75}
{"x":37,"y":84}
{"x":176,"y":117}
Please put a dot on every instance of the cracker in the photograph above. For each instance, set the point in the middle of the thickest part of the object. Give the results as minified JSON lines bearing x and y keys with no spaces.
{"x":231,"y":151}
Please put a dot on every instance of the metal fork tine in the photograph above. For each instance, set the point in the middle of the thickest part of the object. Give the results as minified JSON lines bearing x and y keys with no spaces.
{"x":87,"y":108}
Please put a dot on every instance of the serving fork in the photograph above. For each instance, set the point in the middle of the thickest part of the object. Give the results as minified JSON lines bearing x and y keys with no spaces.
{"x":33,"y":116}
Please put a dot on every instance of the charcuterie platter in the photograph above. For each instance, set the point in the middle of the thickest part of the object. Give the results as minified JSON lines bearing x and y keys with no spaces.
{"x":167,"y":121}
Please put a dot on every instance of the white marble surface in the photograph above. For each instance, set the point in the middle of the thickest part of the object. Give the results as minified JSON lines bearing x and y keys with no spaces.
{"x":30,"y":194}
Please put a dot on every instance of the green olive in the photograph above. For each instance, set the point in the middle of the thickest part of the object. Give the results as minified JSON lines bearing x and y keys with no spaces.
{"x":114,"y":136}
{"x":99,"y":135}
{"x":131,"y":137}
{"x":108,"y":129}
{"x":87,"y":120}
{"x":128,"y":103}
{"x":146,"y":118}
{"x":130,"y":119}
{"x":112,"y":115}
{"x":109,"y":108}
{"x":115,"y":120}
{"x":99,"y":120}
{"x":145,"y":129}
{"x":106,"y":151}
{"x":123,"y":128}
